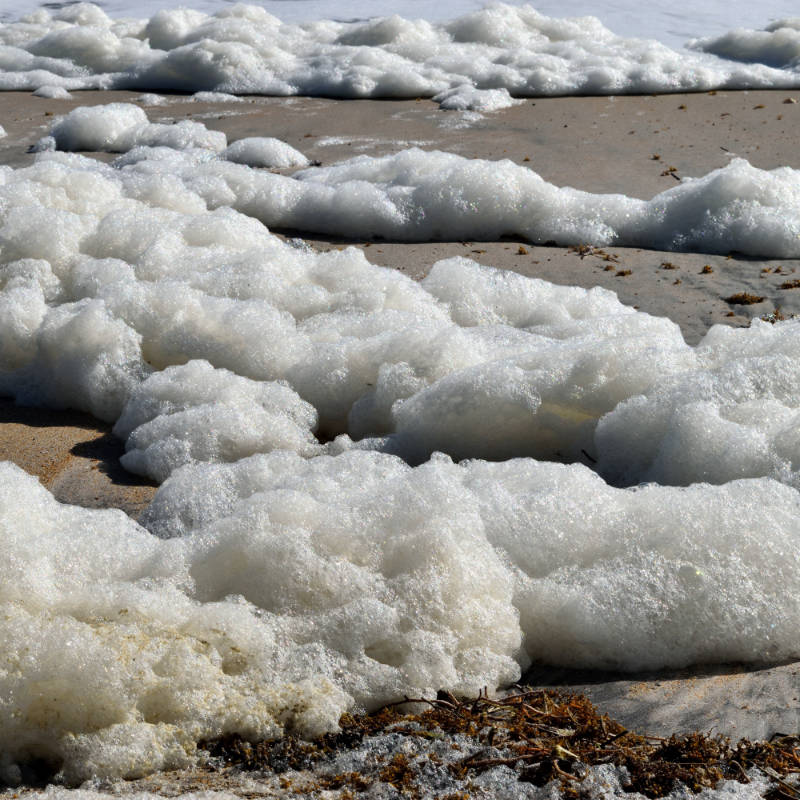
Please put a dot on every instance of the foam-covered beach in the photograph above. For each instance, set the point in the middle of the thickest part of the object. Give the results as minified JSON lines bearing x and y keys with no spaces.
{"x":432,"y":389}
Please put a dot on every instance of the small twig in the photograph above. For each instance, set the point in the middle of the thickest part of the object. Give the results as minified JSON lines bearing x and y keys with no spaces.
{"x":561,"y":772}
{"x":745,"y":778}
{"x":787,"y":787}
{"x":496,"y":762}
{"x":433,"y":703}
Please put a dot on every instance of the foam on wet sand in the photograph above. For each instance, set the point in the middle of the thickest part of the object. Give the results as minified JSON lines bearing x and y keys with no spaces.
{"x":336,"y":573}
{"x":416,"y":195}
{"x":361,"y":492}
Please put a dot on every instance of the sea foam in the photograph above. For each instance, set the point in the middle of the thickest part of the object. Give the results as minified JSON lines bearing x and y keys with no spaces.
{"x":414,"y":195}
{"x":243,"y":49}
{"x":360,"y":495}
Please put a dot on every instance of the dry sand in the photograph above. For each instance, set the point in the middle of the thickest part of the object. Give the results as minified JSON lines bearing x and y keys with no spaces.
{"x":600,"y":144}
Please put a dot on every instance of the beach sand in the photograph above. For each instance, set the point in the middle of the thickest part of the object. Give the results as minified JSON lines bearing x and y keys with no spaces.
{"x":600,"y":144}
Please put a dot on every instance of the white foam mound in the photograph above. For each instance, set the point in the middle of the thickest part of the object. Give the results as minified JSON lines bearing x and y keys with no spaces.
{"x":737,"y":417}
{"x":242,"y":49}
{"x":280,"y":580}
{"x":264,"y":151}
{"x":193,"y":413}
{"x":52,"y":92}
{"x":467,"y":98}
{"x":416,"y":195}
{"x":777,"y":45}
{"x":297,"y":587}
{"x":137,"y":276}
{"x":215,"y":97}
{"x":119,"y":127}
{"x":109,"y":666}
{"x":152,"y":99}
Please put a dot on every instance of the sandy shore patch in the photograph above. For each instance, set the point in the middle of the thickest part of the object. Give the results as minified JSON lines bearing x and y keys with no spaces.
{"x":635,"y":145}
{"x":74,"y":455}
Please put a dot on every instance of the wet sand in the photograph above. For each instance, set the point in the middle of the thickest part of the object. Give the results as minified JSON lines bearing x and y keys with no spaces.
{"x":74,"y":455}
{"x":600,"y":144}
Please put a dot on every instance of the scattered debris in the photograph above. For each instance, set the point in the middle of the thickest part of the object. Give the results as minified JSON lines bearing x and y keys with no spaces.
{"x":584,"y":250}
{"x":539,"y":735}
{"x":793,"y":284}
{"x":772,"y":317}
{"x":522,"y":251}
{"x":623,"y":273}
{"x":744,"y":299}
{"x":707,"y":269}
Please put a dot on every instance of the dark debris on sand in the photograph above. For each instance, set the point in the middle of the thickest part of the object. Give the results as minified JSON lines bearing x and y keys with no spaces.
{"x":543,"y":736}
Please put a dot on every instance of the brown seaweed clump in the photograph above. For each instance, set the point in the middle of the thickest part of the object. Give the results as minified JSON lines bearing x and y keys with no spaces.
{"x":743,"y":299}
{"x":543,"y":735}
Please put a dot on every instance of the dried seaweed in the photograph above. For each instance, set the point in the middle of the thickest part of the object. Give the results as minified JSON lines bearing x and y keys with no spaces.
{"x":546,"y":735}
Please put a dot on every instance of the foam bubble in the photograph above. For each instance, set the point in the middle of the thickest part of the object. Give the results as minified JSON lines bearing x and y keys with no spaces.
{"x":193,"y":413}
{"x":777,"y":45}
{"x":264,"y":151}
{"x":467,"y":98}
{"x":737,"y":417}
{"x":151,"y":99}
{"x":52,"y":92}
{"x":118,"y":127}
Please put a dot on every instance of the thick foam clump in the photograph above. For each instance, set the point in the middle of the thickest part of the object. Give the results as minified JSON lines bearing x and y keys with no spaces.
{"x":295,"y":562}
{"x":119,"y":127}
{"x":52,"y":92}
{"x":467,"y":98}
{"x":777,"y":45}
{"x":736,"y":417}
{"x":242,"y":49}
{"x":415,"y":195}
{"x":110,"y":666}
{"x":141,"y":277}
{"x":297,"y":587}
{"x":264,"y":151}
{"x":193,"y":413}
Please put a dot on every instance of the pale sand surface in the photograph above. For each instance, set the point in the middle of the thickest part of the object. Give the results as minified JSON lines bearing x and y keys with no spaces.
{"x":732,"y":700}
{"x":599,"y":144}
{"x":74,"y":455}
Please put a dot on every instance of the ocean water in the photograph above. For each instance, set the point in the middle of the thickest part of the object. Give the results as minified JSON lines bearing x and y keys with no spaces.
{"x":371,"y":487}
